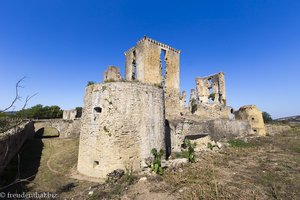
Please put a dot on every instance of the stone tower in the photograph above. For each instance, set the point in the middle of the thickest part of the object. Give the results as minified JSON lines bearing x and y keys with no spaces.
{"x":156,"y":63}
{"x":121,"y":123}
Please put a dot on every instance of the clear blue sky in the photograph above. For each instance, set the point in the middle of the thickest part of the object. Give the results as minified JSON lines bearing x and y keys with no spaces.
{"x":60,"y":45}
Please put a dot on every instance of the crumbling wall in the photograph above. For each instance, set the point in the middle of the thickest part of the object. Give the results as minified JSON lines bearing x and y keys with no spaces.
{"x":211,"y":89}
{"x":220,"y":129}
{"x":121,"y":123}
{"x":214,"y":111}
{"x":209,"y":100}
{"x":254,"y":116}
{"x":69,"y":114}
{"x":11,"y":142}
{"x":112,"y":74}
{"x":144,"y":63}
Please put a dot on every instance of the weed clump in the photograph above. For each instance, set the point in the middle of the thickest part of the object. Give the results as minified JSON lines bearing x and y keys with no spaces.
{"x":156,"y":164}
{"x":238,"y":143}
{"x":191,"y":150}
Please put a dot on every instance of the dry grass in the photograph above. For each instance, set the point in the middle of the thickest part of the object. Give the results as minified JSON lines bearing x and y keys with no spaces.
{"x":262,"y":168}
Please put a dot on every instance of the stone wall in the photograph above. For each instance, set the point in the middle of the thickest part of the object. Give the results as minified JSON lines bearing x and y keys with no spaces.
{"x":252,"y":114}
{"x":208,"y":102}
{"x":220,"y":129}
{"x":112,"y":74}
{"x":144,"y":63}
{"x":11,"y":142}
{"x":211,"y":89}
{"x":212,"y":111}
{"x":121,"y":123}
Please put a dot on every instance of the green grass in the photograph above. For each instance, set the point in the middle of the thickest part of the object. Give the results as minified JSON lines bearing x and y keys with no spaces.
{"x":239,"y":143}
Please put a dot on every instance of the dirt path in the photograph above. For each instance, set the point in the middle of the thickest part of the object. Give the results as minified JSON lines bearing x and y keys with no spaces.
{"x":50,"y":157}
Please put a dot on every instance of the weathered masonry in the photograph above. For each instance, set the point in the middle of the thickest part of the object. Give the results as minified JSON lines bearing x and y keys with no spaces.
{"x":123,"y":119}
{"x":211,"y":89}
{"x":158,"y":64}
{"x":252,"y":114}
{"x":112,"y":74}
{"x":121,"y":123}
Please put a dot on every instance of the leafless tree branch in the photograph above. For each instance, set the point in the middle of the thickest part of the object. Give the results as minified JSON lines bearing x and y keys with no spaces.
{"x":18,"y":97}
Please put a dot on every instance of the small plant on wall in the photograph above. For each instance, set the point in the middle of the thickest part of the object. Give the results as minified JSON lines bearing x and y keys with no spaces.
{"x":156,"y":164}
{"x":212,"y":96}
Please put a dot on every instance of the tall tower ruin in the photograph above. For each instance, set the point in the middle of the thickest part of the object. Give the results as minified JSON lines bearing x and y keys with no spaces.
{"x":156,"y":63}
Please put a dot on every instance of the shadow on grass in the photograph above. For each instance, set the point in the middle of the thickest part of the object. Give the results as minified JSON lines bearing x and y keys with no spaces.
{"x":23,"y":165}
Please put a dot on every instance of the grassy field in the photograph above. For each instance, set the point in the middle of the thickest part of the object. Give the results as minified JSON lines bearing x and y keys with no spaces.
{"x":261,"y":168}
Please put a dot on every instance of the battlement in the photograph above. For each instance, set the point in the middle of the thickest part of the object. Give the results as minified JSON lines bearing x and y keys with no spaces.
{"x":162,"y":45}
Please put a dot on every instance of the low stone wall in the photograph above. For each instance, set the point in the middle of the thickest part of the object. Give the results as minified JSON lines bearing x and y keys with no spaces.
{"x":11,"y":142}
{"x":217,"y":129}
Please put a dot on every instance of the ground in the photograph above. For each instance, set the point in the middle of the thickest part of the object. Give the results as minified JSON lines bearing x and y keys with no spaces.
{"x":261,"y":168}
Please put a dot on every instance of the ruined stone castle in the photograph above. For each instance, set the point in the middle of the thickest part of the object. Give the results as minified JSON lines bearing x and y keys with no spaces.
{"x":124,"y":118}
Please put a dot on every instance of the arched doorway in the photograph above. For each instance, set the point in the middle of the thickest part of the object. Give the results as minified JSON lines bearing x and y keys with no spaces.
{"x":47,"y":132}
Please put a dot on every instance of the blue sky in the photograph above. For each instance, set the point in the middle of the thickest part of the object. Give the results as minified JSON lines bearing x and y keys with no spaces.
{"x":60,"y":45}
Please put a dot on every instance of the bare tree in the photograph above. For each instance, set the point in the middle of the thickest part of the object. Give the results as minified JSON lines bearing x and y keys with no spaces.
{"x":18,"y":97}
{"x":9,"y":123}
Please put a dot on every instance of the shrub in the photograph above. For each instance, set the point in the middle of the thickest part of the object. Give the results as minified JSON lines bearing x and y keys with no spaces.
{"x":267,"y":117}
{"x":191,"y":150}
{"x":90,"y":83}
{"x":156,"y":164}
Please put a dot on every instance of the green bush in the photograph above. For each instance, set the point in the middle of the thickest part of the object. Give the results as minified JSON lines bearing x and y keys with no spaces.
{"x":90,"y":83}
{"x":156,"y":164}
{"x":267,"y":117}
{"x":191,"y":150}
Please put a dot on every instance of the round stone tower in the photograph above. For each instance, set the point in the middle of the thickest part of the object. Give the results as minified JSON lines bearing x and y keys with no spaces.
{"x":252,"y":114}
{"x":121,"y":123}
